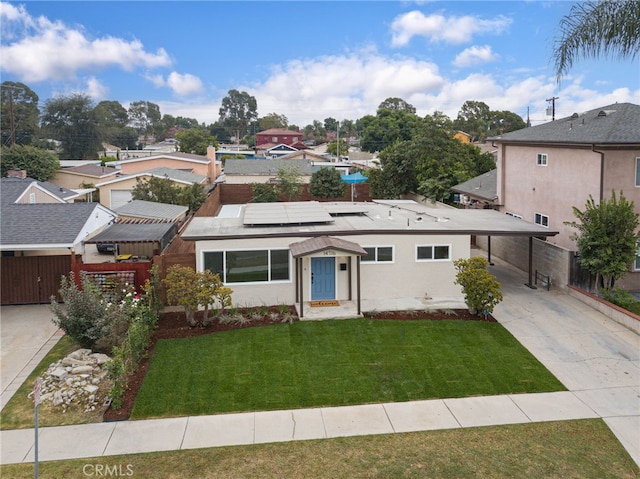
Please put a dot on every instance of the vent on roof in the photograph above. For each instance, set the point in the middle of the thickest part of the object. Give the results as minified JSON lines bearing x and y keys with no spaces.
{"x":602,"y":113}
{"x":575,"y":115}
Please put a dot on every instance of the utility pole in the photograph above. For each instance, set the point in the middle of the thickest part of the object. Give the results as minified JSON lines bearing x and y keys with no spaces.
{"x":553,"y":107}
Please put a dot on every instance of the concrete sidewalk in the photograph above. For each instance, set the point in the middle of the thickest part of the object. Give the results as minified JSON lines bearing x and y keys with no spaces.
{"x":128,"y":437}
{"x":597,"y":359}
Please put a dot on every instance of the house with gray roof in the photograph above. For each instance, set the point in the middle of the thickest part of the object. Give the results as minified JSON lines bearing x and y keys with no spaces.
{"x":546,"y":170}
{"x":266,"y":171}
{"x":117,"y":191}
{"x":362,"y":256}
{"x":478,"y":192}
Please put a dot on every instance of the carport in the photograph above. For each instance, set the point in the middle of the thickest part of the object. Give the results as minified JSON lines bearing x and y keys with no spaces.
{"x":143,"y":240}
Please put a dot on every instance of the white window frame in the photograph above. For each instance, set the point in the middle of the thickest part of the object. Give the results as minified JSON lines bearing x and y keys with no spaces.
{"x":539,"y":219}
{"x":32,"y":198}
{"x":542,"y":159}
{"x":433,"y":247}
{"x":636,"y":263}
{"x":376,"y":261}
{"x":268,"y":250}
{"x":638,"y":172}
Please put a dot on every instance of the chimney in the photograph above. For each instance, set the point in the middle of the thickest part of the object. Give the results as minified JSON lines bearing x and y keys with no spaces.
{"x":16,"y":173}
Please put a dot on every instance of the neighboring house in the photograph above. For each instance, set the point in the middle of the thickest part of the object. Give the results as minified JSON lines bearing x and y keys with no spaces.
{"x":200,"y":165}
{"x":75,"y":177}
{"x":478,"y":192}
{"x":40,"y":235}
{"x":117,"y":192}
{"x":265,"y":171}
{"x":150,"y":210}
{"x":370,"y":254}
{"x":546,"y":170}
{"x":277,"y":136}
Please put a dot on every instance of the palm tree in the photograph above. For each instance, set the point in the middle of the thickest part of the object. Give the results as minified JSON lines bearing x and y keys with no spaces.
{"x":598,"y":28}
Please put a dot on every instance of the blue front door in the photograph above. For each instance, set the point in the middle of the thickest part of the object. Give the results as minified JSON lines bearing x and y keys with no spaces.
{"x":323,"y":278}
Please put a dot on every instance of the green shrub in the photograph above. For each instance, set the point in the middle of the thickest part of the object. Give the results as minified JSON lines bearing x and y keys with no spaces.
{"x":622,"y":298}
{"x":480,"y":288}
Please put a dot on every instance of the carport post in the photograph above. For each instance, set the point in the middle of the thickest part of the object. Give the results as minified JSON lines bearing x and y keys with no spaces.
{"x":530,"y":283}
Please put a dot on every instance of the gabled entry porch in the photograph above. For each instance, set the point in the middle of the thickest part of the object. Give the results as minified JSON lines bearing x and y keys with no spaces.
{"x":327,"y":274}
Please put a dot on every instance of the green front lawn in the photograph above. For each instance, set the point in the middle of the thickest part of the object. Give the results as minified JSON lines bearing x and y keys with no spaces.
{"x":333,"y":363}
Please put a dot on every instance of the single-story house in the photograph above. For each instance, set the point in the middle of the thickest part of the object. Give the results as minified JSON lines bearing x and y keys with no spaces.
{"x":265,"y":171}
{"x":378,"y":253}
{"x":40,"y":235}
{"x":117,"y":191}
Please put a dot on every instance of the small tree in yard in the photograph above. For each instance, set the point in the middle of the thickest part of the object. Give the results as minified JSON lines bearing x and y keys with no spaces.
{"x":480,"y":288}
{"x":327,"y":183}
{"x":191,"y":289}
{"x":606,"y":238}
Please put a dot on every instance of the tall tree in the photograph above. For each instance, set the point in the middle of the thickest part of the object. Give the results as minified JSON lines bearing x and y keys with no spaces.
{"x":146,"y":118}
{"x":397,"y":104}
{"x":474,"y":118}
{"x":237,"y":111}
{"x":607,"y":237}
{"x":39,"y":164}
{"x":195,"y":140}
{"x":597,"y":28}
{"x":72,"y":121}
{"x":113,"y":119}
{"x":18,"y":114}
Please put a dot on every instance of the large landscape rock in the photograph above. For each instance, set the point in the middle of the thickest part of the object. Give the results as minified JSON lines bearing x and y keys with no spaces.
{"x":78,"y":378}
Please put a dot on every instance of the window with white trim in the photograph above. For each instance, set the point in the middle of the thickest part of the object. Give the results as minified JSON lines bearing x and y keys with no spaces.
{"x":541,"y":219}
{"x":249,"y":266}
{"x":32,"y":198}
{"x":541,"y":159}
{"x":636,"y":263}
{"x":637,"y":171}
{"x":434,"y":252}
{"x":378,"y":254}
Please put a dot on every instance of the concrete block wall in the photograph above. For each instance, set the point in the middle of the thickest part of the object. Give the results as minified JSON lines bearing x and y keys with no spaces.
{"x":548,"y":259}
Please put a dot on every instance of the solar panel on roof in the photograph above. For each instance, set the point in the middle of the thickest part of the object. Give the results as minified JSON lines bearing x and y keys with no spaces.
{"x":285,"y":214}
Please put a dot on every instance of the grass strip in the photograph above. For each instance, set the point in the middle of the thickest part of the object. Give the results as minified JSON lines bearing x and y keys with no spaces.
{"x":583,"y":449}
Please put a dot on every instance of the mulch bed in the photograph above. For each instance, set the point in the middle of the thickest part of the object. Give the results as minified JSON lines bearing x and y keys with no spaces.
{"x":173,"y":325}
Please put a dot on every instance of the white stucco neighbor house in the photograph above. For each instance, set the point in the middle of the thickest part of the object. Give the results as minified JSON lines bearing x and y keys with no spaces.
{"x":384,"y":254}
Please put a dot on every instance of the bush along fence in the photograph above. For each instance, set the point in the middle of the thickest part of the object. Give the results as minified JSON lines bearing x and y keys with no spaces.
{"x":119,"y":322}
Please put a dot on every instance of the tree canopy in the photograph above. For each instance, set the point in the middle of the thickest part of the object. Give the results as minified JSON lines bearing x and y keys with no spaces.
{"x":478,"y":120}
{"x":597,"y":28}
{"x":237,"y":112}
{"x":18,"y":113}
{"x":164,"y":190}
{"x":39,"y":164}
{"x":327,"y":183}
{"x":397,"y":104}
{"x":387,"y":127}
{"x":195,"y":140}
{"x":606,"y":237}
{"x":146,"y":118}
{"x":72,"y":121}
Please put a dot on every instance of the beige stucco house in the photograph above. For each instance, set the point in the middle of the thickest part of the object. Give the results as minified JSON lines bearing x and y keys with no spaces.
{"x":390,"y":254}
{"x":197,"y":164}
{"x":546,"y":170}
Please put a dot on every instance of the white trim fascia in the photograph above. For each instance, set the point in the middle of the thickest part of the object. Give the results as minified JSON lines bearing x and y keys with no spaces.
{"x":159,"y":157}
{"x":143,"y":173}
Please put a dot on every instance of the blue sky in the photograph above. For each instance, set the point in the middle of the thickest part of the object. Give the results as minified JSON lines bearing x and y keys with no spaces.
{"x":305,"y":60}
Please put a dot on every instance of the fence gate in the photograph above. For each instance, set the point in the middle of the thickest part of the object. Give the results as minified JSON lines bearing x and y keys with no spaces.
{"x":32,"y":279}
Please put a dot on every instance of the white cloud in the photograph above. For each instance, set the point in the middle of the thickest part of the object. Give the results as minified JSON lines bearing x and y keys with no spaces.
{"x":96,"y":90}
{"x":46,"y":50}
{"x":184,"y":84}
{"x":438,"y":28}
{"x":475,"y":55}
{"x":157,"y":80}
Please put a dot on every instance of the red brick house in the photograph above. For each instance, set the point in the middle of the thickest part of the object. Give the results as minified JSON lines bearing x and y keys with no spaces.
{"x":277,"y":136}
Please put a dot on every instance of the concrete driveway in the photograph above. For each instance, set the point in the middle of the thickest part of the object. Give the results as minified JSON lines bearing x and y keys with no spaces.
{"x":27,"y":335}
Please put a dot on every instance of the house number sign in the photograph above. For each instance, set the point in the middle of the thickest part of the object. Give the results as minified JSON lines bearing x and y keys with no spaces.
{"x":329,"y":252}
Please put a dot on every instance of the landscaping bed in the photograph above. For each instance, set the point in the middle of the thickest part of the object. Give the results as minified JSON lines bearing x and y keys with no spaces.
{"x":173,"y":325}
